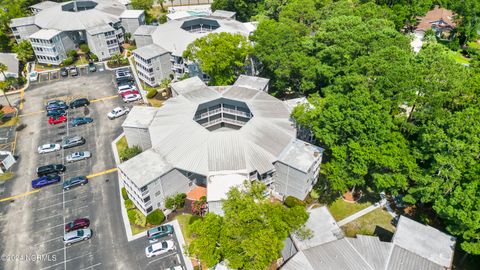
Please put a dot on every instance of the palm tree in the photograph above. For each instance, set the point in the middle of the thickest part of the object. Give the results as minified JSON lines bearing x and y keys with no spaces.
{"x":4,"y":68}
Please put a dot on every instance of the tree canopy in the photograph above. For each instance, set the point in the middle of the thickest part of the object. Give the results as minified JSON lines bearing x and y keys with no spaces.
{"x":250,"y":235}
{"x":220,"y":55}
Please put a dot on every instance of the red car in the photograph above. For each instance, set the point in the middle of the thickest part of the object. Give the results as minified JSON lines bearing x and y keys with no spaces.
{"x":128,"y":92}
{"x":80,"y":223}
{"x":57,"y":120}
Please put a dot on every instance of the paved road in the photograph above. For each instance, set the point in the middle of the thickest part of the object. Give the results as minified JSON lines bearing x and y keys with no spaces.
{"x":33,"y":224}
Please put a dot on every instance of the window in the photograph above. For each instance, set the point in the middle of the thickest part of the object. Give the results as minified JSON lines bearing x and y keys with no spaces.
{"x":157,"y":193}
{"x":144,"y":189}
{"x":17,"y":37}
{"x":149,"y":209}
{"x":147,"y":199}
{"x":14,"y":28}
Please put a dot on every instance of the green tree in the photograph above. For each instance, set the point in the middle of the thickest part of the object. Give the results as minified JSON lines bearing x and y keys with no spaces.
{"x":250,"y":235}
{"x":244,"y":8}
{"x":129,"y":152}
{"x":142,"y":4}
{"x":84,"y":47}
{"x":23,"y":50}
{"x":220,"y":55}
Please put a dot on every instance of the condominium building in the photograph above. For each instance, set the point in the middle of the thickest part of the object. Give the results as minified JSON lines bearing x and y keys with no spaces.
{"x":153,"y":64}
{"x":175,"y":35}
{"x":216,"y":137}
{"x":58,"y":27}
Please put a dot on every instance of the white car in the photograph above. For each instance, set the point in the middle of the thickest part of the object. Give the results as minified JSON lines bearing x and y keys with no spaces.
{"x":159,"y":248}
{"x":33,"y":77}
{"x":48,"y":148}
{"x":117,"y":112}
{"x":126,"y":87}
{"x":131,"y":98}
{"x":77,"y":156}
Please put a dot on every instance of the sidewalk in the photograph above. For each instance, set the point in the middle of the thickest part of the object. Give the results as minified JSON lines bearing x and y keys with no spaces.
{"x":362,"y":212}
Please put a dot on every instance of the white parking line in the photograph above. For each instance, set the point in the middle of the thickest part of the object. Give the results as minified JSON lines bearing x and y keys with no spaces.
{"x":49,"y":217}
{"x":159,"y":258}
{"x":53,"y":239}
{"x":79,"y":198}
{"x":91,"y":266}
{"x":69,"y":260}
{"x":79,"y":208}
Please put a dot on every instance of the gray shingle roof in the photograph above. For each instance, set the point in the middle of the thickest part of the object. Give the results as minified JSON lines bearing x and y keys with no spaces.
{"x":150,"y":51}
{"x":300,"y":155}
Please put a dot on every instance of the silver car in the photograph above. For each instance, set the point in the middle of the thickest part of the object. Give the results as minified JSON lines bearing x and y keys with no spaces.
{"x":76,"y":236}
{"x":77,"y":156}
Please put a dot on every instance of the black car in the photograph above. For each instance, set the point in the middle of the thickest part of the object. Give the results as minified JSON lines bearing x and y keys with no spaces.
{"x":56,"y":113}
{"x":124,"y":80}
{"x":64,"y":72}
{"x":56,"y":105}
{"x":74,"y":181}
{"x":92,"y":67}
{"x":50,"y":169}
{"x":79,"y":103}
{"x":72,"y":141}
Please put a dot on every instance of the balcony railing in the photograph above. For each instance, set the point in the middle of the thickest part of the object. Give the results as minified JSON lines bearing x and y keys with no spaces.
{"x":225,"y":120}
{"x":220,"y":110}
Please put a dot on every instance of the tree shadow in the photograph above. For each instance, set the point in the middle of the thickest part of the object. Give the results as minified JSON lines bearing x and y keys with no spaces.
{"x":383,"y":234}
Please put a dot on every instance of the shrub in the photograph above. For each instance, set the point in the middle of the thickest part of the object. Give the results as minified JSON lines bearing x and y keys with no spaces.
{"x":129,"y":204}
{"x":152,"y":93}
{"x":130,"y":152}
{"x":68,"y":61}
{"x":84,"y":47}
{"x":163,"y":19}
{"x":180,"y":199}
{"x":94,"y":57}
{"x":170,"y":202}
{"x":124,"y":193}
{"x":156,"y":217}
{"x":314,"y":194}
{"x":131,"y":215}
{"x":291,"y":201}
{"x":72,"y":54}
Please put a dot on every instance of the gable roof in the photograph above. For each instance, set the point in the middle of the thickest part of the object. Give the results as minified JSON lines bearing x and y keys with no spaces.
{"x":435,"y":15}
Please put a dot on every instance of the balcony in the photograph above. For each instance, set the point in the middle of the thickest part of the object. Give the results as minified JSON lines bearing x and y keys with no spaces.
{"x":222,"y":110}
{"x":224,"y":120}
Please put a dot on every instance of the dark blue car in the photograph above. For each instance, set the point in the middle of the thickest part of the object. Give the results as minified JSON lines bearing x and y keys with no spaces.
{"x":55,"y":113}
{"x":45,"y":180}
{"x":56,"y":105}
{"x":74,"y":181}
{"x":78,"y":121}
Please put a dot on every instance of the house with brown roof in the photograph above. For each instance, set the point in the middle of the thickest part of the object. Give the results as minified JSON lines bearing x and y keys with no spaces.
{"x":440,"y":20}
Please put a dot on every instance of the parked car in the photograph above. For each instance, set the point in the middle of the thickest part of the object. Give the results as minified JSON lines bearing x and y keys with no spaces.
{"x":73,"y":71}
{"x":92,"y":67}
{"x":64,"y":72}
{"x":56,"y":105}
{"x":128,"y":83}
{"x":45,"y":180}
{"x":126,"y":87}
{"x":78,"y":121}
{"x":72,"y":141}
{"x":122,"y":74}
{"x":74,"y":181}
{"x":79,"y":103}
{"x":131,"y":97}
{"x":117,"y":112}
{"x":124,"y":80}
{"x":77,"y":156}
{"x":48,"y":148}
{"x":156,"y":233}
{"x":159,"y":248}
{"x":56,"y":113}
{"x":57,"y":120}
{"x":128,"y":92}
{"x":33,"y":77}
{"x":50,"y":169}
{"x":80,"y":223}
{"x":76,"y":236}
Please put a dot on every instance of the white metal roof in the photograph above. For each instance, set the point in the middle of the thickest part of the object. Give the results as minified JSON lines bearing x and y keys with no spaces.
{"x":182,"y":142}
{"x":44,"y":5}
{"x":132,"y":14}
{"x":45,"y":34}
{"x":224,"y":14}
{"x":105,"y":12}
{"x":145,"y":30}
{"x":11,"y":61}
{"x":178,"y":39}
{"x":150,"y":51}
{"x":219,"y":185}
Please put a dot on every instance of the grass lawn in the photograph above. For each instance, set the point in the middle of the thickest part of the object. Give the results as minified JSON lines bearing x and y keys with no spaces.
{"x":185,"y":220}
{"x":459,"y":58}
{"x":137,"y":229}
{"x":81,"y":61}
{"x":341,"y":209}
{"x":376,"y":223}
{"x":6,"y":176}
{"x":122,"y":144}
{"x":12,"y":121}
{"x":155,"y":102}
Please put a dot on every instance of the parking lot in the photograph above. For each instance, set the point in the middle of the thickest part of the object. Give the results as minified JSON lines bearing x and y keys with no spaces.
{"x":33,"y":225}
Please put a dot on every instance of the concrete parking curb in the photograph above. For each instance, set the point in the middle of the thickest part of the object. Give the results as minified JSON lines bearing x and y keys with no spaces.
{"x":143,"y":93}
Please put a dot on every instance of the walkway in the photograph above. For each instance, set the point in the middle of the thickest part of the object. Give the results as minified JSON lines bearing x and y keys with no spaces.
{"x":362,"y":212}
